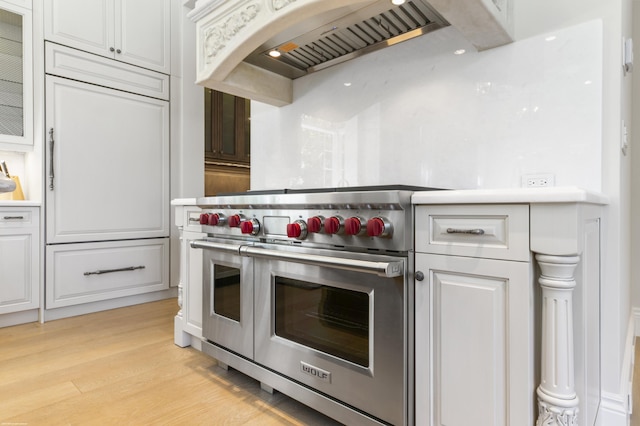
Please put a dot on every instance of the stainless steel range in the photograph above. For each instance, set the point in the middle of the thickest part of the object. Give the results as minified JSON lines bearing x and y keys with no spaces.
{"x":309,"y":294}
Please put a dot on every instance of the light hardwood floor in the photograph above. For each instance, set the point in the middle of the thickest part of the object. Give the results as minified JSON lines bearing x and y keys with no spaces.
{"x":121,"y":367}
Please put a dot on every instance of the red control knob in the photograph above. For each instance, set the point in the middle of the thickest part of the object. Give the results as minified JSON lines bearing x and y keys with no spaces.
{"x":314,"y":224}
{"x":297,"y":229}
{"x":251,"y":226}
{"x":353,"y":226}
{"x":234,"y":221}
{"x":378,"y":227}
{"x":332,"y":225}
{"x":214,"y":219}
{"x":204,"y":219}
{"x":293,"y":230}
{"x":246,"y":227}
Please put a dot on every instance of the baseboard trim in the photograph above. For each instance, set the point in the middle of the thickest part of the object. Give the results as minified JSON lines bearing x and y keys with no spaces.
{"x":16,"y":318}
{"x":88,"y":308}
{"x":615,"y":409}
{"x":636,"y":321}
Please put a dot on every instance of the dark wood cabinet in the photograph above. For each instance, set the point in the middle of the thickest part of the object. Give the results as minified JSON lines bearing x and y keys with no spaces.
{"x":227,"y":143}
{"x":227,"y":128}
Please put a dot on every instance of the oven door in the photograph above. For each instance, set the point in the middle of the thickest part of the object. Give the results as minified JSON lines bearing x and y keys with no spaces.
{"x":227,"y":296}
{"x":340,"y":330}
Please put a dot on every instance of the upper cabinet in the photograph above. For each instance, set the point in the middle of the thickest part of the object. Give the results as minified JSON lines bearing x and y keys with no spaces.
{"x":16,"y":77}
{"x":132,"y":31}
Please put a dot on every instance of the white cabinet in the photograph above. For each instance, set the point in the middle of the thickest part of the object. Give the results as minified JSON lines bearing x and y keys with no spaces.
{"x":132,"y":31}
{"x":474,"y":322}
{"x":188,"y":321}
{"x":107,"y":180}
{"x":19,"y":259}
{"x":107,"y":163}
{"x":91,"y":272}
{"x":494,"y":269}
{"x":16,"y":77}
{"x":473,"y":334}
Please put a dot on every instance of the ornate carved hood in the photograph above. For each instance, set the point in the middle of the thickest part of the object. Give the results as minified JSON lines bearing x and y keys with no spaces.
{"x":255,"y":48}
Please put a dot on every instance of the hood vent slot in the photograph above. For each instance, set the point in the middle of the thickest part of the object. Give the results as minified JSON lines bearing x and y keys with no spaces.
{"x":365,"y":30}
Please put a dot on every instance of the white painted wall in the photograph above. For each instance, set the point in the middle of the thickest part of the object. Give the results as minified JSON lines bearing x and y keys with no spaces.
{"x":635,"y":165}
{"x":427,"y":117}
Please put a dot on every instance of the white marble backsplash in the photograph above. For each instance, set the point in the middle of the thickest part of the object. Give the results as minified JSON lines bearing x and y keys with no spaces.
{"x":418,"y":114}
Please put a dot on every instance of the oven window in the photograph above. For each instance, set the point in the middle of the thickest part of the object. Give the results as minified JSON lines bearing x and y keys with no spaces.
{"x":329,"y":319}
{"x":226,"y":291}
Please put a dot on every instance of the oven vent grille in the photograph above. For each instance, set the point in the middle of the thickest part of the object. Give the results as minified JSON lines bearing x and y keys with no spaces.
{"x":358,"y":33}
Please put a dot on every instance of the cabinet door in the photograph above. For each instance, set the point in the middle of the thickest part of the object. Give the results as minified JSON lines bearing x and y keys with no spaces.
{"x":132,"y":31}
{"x":16,"y":78}
{"x":84,"y":24}
{"x":142,"y":33}
{"x":19,"y":260}
{"x":16,"y":292}
{"x":107,"y":163}
{"x":474,"y":340}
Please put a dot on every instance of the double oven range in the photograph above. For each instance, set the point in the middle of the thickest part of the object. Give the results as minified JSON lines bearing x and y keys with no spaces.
{"x":309,"y":293}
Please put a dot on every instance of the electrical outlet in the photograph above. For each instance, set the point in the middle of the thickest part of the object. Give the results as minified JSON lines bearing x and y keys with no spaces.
{"x":538,"y":180}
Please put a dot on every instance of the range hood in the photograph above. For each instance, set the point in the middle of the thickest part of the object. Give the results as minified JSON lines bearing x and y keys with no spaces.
{"x":356,"y":33}
{"x":236,"y":39}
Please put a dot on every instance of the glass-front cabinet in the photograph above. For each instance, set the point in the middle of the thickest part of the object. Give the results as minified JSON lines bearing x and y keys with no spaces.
{"x":16,"y":77}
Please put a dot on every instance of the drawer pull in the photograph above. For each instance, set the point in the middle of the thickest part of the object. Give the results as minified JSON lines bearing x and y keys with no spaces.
{"x":194,"y":219}
{"x":108,"y":271}
{"x":465,"y":231}
{"x":13,"y":218}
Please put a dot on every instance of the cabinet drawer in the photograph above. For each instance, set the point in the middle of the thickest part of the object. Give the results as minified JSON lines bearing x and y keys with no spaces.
{"x":18,"y":218}
{"x":75,"y":64}
{"x":487,"y":231}
{"x":90,"y":272}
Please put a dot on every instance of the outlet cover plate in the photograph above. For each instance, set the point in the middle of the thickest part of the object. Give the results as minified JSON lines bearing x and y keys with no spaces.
{"x":539,"y":180}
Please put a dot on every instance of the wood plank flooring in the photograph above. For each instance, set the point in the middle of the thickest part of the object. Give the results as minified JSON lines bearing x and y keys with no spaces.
{"x":122,"y":367}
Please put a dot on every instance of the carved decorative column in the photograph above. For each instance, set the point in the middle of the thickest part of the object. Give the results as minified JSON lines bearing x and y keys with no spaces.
{"x":180,"y":337}
{"x":557,"y":398}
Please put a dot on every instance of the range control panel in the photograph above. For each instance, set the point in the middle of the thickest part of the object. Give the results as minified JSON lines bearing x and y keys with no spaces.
{"x":368,"y":230}
{"x":363,"y":220}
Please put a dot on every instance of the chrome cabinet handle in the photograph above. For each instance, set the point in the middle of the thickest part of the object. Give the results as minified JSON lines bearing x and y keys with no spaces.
{"x":51,"y":174}
{"x":13,"y":217}
{"x":194,"y":219}
{"x":108,"y":271}
{"x":465,"y":231}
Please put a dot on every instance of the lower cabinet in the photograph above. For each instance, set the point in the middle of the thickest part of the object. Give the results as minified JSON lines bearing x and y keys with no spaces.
{"x":91,"y":272}
{"x":474,"y":358}
{"x":188,"y":321}
{"x":474,"y":329}
{"x":19,"y":259}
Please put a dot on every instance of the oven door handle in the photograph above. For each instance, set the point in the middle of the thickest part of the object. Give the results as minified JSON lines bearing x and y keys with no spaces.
{"x":384,"y":269}
{"x":208,"y":245}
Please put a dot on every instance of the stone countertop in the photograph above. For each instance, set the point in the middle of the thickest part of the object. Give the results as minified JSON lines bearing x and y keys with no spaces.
{"x":19,"y":203}
{"x":184,"y":202}
{"x":511,"y":195}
